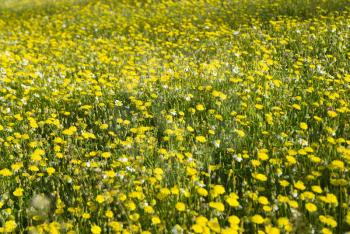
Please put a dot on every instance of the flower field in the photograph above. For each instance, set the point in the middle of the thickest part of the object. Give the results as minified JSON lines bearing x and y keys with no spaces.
{"x":164,"y":116}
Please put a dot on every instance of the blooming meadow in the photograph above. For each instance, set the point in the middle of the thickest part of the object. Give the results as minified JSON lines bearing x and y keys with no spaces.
{"x":161,"y":116}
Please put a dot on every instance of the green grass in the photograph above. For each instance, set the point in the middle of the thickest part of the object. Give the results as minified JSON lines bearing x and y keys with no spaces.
{"x":174,"y":116}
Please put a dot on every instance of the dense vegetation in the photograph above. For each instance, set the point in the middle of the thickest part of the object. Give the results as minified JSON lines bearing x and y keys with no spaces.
{"x":198,"y":116}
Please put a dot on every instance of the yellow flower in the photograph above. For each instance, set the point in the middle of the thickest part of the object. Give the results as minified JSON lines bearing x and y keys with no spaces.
{"x":296,"y":106}
{"x":337,"y":164}
{"x":95,"y":229}
{"x":303,"y":126}
{"x":271,"y":230}
{"x":214,"y":225}
{"x":326,"y":231}
{"x":50,"y":170}
{"x":240,"y":133}
{"x":201,"y":139}
{"x":332,"y":114}
{"x":347,"y":218}
{"x":217,"y":190}
{"x":33,"y":168}
{"x":86,"y":216}
{"x":134,"y":217}
{"x":18,"y":192}
{"x":263,"y":200}
{"x":200,"y":107}
{"x":37,"y":154}
{"x":260,"y":177}
{"x":180,"y":206}
{"x":258,"y":219}
{"x":131,"y":205}
{"x":299,"y":185}
{"x":158,"y":171}
{"x":201,"y":220}
{"x":310,"y":207}
{"x":197,"y":228}
{"x":155,"y":220}
{"x":106,"y":155}
{"x":70,"y":131}
{"x":202,"y":192}
{"x":259,"y":106}
{"x":109,"y":214}
{"x":262,"y":155}
{"x":175,"y":190}
{"x":293,"y":204}
{"x":331,"y":198}
{"x":255,"y":163}
{"x":230,"y":231}
{"x":9,"y":226}
{"x":103,"y":126}
{"x":116,"y":226}
{"x":5,"y":172}
{"x":283,"y":221}
{"x":284,"y":183}
{"x":232,"y":201}
{"x":234,"y":220}
{"x":316,"y":189}
{"x":267,"y":208}
{"x":149,"y":209}
{"x":217,"y":205}
{"x":282,"y":199}
{"x":100,"y":198}
{"x":328,"y":220}
{"x":307,"y":195}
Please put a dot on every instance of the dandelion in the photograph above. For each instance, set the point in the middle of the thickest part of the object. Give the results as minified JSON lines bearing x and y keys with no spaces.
{"x":10,"y":226}
{"x":37,"y":155}
{"x":347,"y":218}
{"x":202,"y":192}
{"x":233,"y":220}
{"x":50,"y":170}
{"x":217,"y":205}
{"x":214,"y":225}
{"x":310,"y":207}
{"x":116,"y":226}
{"x":95,"y":229}
{"x":303,"y":126}
{"x":197,"y":228}
{"x":258,"y":219}
{"x":299,"y":185}
{"x":337,"y":164}
{"x":155,"y":220}
{"x":328,"y":220}
{"x":201,"y":139}
{"x":200,"y":107}
{"x":180,"y":206}
{"x":18,"y":192}
{"x":5,"y":172}
{"x":263,"y":200}
{"x":109,"y":214}
{"x":100,"y":198}
{"x":316,"y":189}
{"x":260,"y":177}
{"x":217,"y":190}
{"x":233,"y":201}
{"x":332,"y":114}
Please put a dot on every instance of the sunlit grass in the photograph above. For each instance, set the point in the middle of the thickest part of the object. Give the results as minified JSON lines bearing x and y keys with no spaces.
{"x":174,"y":116}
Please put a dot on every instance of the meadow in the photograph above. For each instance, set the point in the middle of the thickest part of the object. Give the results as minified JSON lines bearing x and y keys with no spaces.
{"x":164,"y":116}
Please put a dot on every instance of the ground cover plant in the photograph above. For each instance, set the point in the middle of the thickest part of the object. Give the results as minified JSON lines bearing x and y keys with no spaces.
{"x":164,"y":116}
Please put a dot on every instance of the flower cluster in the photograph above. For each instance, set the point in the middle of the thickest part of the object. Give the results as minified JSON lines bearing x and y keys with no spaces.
{"x":160,"y":116}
